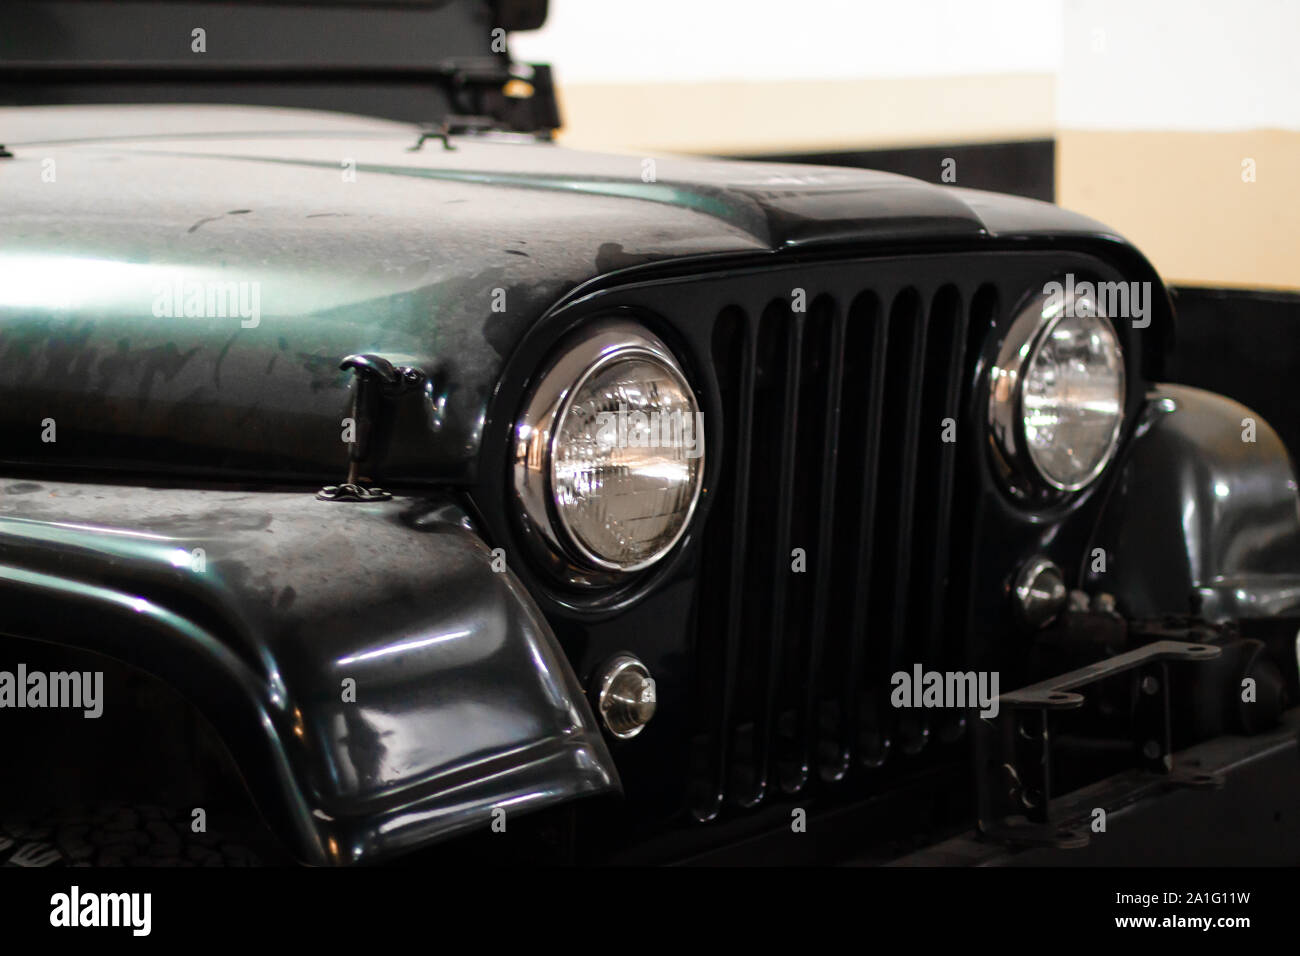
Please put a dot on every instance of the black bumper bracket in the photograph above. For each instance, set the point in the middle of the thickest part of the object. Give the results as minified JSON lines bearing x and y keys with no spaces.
{"x":1013,"y":750}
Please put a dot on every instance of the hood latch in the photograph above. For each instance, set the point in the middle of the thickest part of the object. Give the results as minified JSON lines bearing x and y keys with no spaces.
{"x":378,"y":383}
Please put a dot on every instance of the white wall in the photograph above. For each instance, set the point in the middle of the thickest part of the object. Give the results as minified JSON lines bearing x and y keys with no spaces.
{"x":691,"y":41}
{"x":1118,"y":64}
{"x":1180,"y":65}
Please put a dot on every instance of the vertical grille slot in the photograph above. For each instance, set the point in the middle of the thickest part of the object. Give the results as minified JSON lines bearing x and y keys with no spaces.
{"x":772,"y":462}
{"x":864,"y":396}
{"x":896,"y":477}
{"x":815,"y":496}
{"x":982,"y":316}
{"x":937,"y":456}
{"x":718,"y":631}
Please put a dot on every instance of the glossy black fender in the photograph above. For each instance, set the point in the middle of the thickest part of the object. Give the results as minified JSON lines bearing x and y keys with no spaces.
{"x":379,"y":682}
{"x":1204,"y":518}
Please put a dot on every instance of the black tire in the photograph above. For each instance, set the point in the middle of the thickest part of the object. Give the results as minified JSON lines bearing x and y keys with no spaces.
{"x":117,"y":836}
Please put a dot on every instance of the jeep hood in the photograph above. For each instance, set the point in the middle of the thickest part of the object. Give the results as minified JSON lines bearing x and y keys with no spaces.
{"x":177,"y":285}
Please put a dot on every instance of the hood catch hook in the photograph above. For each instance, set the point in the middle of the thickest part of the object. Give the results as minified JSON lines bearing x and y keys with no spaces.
{"x":378,"y":383}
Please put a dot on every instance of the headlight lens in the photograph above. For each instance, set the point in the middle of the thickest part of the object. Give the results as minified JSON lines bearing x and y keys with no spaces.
{"x":610,"y":451}
{"x":1056,"y":403}
{"x":1073,"y":400}
{"x":622,"y":469}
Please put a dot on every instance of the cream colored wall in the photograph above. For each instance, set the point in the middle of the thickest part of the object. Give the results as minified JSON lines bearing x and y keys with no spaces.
{"x":740,"y":117}
{"x":1181,"y":197}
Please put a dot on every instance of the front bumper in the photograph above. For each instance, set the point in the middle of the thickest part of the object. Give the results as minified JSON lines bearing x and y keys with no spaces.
{"x":1253,"y":818}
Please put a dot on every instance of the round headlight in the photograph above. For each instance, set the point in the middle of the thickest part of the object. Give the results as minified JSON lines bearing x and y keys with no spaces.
{"x":609,"y":457}
{"x":1057,"y":393}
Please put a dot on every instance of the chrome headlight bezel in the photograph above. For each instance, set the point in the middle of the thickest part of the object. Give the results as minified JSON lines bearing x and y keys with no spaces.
{"x":538,"y":428}
{"x":1006,"y":416}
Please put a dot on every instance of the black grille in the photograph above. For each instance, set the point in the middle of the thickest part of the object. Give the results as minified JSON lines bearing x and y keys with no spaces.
{"x":826,"y":554}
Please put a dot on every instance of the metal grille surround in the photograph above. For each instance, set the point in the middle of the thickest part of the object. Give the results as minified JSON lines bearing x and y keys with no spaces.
{"x":841,"y":536}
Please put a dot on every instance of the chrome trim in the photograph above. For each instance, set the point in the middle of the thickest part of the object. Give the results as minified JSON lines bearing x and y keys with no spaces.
{"x":539,"y":427}
{"x":1036,"y":603}
{"x":1029,"y":329}
{"x":1250,"y":596}
{"x":625,"y":697}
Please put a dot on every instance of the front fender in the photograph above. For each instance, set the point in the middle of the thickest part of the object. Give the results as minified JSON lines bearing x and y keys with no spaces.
{"x":1204,"y":518}
{"x":379,"y":684}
